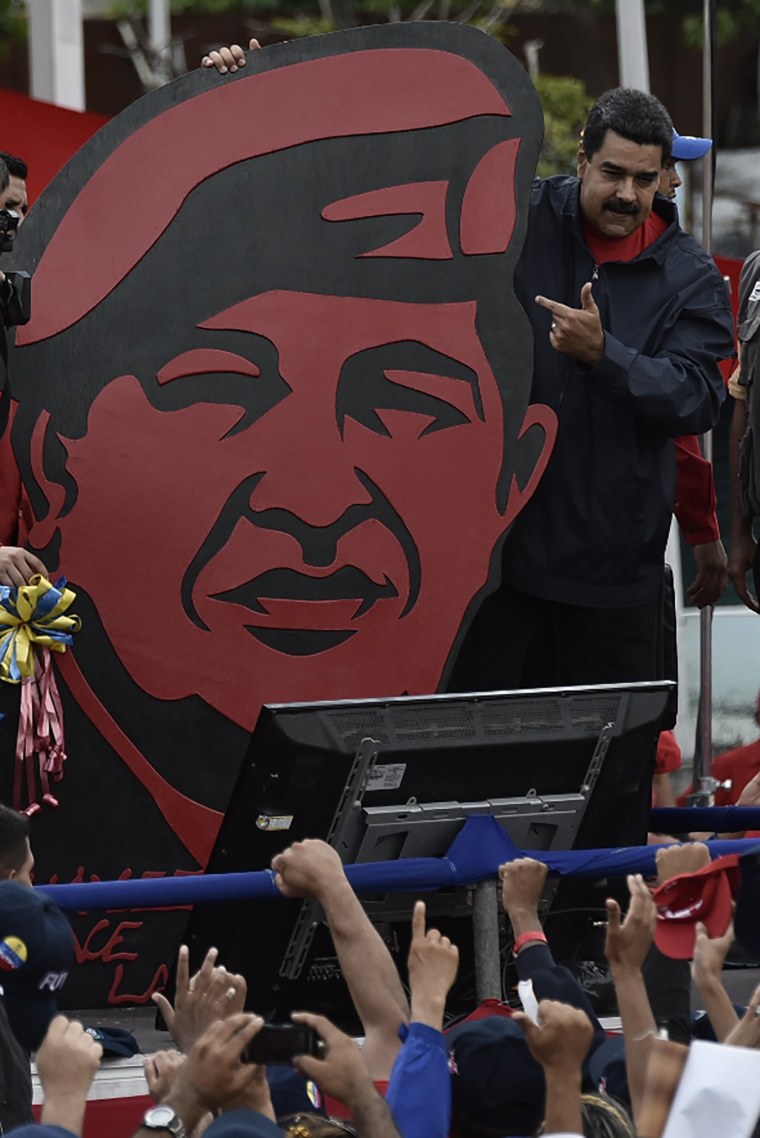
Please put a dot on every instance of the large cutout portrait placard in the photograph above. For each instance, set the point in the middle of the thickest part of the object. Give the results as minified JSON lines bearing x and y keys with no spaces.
{"x":272,"y":415}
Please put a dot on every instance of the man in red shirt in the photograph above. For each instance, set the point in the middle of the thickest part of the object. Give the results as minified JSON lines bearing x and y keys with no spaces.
{"x":695,"y":506}
{"x":739,"y":766}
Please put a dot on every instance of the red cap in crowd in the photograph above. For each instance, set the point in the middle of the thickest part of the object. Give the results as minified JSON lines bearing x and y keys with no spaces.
{"x":705,"y":896}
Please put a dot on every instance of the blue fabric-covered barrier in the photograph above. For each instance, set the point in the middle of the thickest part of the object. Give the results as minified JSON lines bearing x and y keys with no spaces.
{"x":714,"y":819}
{"x":478,"y":850}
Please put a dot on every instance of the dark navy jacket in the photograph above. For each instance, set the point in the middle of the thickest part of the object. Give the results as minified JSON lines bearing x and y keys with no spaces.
{"x":595,"y":531}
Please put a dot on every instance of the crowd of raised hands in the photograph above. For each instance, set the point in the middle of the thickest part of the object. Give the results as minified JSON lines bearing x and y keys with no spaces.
{"x":415,"y":1075}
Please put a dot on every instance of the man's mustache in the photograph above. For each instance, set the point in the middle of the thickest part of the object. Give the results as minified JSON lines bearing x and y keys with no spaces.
{"x":615,"y":205}
{"x":319,"y":544}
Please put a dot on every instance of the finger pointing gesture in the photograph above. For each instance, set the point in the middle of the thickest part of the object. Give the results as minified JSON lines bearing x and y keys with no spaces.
{"x":576,"y":332}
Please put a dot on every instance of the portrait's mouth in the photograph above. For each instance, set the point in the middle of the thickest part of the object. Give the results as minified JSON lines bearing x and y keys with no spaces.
{"x":293,"y":603}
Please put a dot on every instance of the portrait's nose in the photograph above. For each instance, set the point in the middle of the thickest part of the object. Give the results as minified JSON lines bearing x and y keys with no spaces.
{"x":311,"y":473}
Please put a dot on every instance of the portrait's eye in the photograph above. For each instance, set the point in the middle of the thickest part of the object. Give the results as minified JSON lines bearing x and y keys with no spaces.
{"x":243,"y":373}
{"x":206,"y":361}
{"x":408,"y":378}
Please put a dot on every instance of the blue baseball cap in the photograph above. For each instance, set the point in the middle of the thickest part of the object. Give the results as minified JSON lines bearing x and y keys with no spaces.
{"x":243,"y":1124}
{"x":36,"y":956}
{"x":688,"y":146}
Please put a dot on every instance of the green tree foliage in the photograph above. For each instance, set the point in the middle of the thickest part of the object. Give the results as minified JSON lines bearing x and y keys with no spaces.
{"x":566,"y":103}
{"x":308,"y":17}
{"x":12,"y":21}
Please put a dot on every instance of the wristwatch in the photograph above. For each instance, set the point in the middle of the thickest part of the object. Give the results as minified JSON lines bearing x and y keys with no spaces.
{"x":163,"y":1118}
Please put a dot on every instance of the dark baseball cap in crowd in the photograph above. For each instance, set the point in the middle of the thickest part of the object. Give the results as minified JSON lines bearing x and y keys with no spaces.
{"x":243,"y":1124}
{"x":292,"y":1093}
{"x":495,"y":1080}
{"x":688,"y":146}
{"x":36,"y":956}
{"x":683,"y":902}
{"x":117,"y":1042}
{"x":607,"y":1070}
{"x":747,"y":915}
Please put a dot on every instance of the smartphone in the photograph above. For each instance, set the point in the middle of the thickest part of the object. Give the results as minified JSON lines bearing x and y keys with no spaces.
{"x":279,"y":1043}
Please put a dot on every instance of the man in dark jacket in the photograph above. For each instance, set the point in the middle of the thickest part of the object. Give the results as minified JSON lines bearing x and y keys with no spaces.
{"x":630,"y":320}
{"x":745,"y":449}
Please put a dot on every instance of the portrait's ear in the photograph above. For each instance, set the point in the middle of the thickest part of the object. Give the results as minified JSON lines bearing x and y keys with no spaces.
{"x":535,"y":444}
{"x":42,"y":532}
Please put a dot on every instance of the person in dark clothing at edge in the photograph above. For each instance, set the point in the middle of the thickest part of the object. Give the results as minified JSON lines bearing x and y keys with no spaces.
{"x":16,"y":864}
{"x":630,"y":320}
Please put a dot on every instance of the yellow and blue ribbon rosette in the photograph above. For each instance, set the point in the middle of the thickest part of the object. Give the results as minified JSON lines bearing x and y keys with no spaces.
{"x":33,"y":615}
{"x":35,"y":621}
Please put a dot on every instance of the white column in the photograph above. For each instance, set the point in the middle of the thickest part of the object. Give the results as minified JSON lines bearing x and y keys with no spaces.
{"x":633,"y":58}
{"x":159,"y":27}
{"x":56,"y":52}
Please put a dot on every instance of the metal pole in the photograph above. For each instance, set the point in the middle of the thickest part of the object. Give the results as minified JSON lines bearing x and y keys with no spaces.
{"x":705,"y":689}
{"x":705,"y":795}
{"x":485,"y":940}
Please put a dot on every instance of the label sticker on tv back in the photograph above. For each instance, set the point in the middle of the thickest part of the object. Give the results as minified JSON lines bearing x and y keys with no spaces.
{"x":274,"y":821}
{"x":388,"y":776}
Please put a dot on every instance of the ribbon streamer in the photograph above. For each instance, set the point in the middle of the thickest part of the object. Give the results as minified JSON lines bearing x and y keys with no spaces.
{"x":33,"y":623}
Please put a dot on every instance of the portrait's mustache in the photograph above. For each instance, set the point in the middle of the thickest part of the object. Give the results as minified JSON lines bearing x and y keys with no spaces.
{"x":615,"y":205}
{"x":347,"y":583}
{"x":319,"y":545}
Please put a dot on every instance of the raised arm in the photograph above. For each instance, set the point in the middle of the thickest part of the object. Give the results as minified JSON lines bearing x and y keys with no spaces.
{"x":709,"y":958}
{"x":419,"y":1094}
{"x":313,"y":869}
{"x":628,"y":943}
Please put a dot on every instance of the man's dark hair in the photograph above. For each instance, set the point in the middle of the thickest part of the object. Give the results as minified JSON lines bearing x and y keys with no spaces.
{"x":632,"y":114}
{"x":14,"y":841}
{"x":17,"y":167}
{"x":5,"y":178}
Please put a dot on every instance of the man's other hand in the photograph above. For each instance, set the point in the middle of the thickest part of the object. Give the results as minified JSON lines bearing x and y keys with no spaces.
{"x":230,"y":58}
{"x":741,"y":557}
{"x":710,"y":582}
{"x":18,"y":565}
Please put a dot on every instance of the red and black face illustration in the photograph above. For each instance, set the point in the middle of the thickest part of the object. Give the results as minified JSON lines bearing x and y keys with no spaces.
{"x":277,"y":380}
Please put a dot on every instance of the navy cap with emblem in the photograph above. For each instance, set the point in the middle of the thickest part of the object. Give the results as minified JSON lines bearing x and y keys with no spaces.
{"x":243,"y":1124}
{"x":495,"y":1079}
{"x":36,"y":955}
{"x":117,"y":1042}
